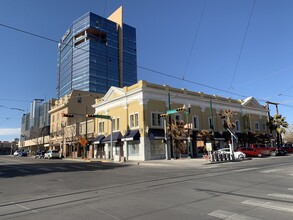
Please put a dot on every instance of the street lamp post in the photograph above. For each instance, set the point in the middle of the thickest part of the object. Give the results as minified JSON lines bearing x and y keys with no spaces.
{"x":62,"y":145}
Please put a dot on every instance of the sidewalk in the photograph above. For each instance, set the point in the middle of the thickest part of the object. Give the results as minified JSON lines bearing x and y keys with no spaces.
{"x":161,"y":162}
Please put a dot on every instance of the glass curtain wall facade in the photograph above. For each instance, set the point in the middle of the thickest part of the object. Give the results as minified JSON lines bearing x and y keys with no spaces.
{"x":89,"y":56}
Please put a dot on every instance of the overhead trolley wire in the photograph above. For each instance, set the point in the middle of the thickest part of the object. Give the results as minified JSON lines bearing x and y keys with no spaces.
{"x":141,"y":67}
{"x":195,"y":38}
{"x":242,"y":45}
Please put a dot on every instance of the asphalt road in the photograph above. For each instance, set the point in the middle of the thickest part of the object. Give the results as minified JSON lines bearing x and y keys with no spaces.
{"x":58,"y":189}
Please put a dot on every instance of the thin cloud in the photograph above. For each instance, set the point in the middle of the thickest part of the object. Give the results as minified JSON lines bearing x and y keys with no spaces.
{"x":9,"y":131}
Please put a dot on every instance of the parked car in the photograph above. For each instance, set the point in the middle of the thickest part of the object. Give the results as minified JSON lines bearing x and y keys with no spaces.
{"x":40,"y":154}
{"x":281,"y":152}
{"x":237,"y":154}
{"x":51,"y":154}
{"x":22,"y":154}
{"x":265,"y":150}
{"x":250,"y":152}
{"x":288,"y":147}
{"x":16,"y":153}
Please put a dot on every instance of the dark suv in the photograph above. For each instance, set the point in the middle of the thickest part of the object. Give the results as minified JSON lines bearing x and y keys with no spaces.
{"x":40,"y":154}
{"x":265,"y":150}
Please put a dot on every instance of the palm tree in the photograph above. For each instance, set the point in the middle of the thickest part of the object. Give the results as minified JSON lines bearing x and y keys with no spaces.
{"x":228,"y":115}
{"x":278,"y":124}
{"x":179,"y":135}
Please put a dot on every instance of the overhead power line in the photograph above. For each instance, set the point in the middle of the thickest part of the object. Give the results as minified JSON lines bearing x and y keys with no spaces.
{"x":195,"y":38}
{"x":241,"y":49}
{"x":141,"y":67}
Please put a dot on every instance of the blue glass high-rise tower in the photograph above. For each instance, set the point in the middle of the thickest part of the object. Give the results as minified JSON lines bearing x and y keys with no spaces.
{"x":96,"y":53}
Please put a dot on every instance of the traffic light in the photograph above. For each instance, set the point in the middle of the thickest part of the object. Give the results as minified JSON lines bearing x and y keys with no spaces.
{"x":90,"y":116}
{"x":163,"y":115}
{"x":67,"y":115}
{"x":180,"y":109}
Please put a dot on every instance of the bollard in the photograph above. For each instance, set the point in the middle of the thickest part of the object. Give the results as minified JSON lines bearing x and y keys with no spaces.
{"x":221,"y":157}
{"x":225,"y":156}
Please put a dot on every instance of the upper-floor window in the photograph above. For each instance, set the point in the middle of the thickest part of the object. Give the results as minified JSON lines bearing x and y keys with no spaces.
{"x":195,"y":122}
{"x":101,"y":127}
{"x":133,"y":120}
{"x":211,"y":123}
{"x":116,"y":125}
{"x":223,"y":122}
{"x":177,"y":117}
{"x":79,"y":100}
{"x":156,"y":119}
{"x":237,"y":124}
{"x":263,"y":126}
{"x":256,"y":126}
{"x":53,"y":118}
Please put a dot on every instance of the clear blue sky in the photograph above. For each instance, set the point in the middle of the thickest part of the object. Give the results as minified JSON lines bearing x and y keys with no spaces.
{"x":207,"y":43}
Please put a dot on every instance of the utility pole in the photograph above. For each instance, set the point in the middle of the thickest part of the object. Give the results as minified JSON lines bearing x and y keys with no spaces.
{"x":170,"y":122}
{"x":277,"y":113}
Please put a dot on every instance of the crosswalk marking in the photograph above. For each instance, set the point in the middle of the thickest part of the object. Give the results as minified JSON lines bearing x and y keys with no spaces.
{"x":230,"y":215}
{"x":290,"y":189}
{"x":270,"y":171}
{"x":270,"y":205}
{"x":283,"y":196}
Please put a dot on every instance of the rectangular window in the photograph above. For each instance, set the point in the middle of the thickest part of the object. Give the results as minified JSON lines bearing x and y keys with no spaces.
{"x":133,"y":120}
{"x":263,"y":126}
{"x":116,"y":124}
{"x":156,"y":120}
{"x":237,"y":123}
{"x":210,"y":123}
{"x":79,"y":100}
{"x":101,"y":127}
{"x":256,"y":126}
{"x":177,"y":118}
{"x":133,"y":148}
{"x":195,"y":122}
{"x":223,"y":122}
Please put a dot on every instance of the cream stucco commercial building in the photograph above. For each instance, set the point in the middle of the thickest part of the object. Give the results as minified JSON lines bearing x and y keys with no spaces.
{"x":138,"y":129}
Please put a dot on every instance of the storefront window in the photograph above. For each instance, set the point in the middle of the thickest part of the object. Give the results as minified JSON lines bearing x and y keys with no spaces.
{"x":133,"y":148}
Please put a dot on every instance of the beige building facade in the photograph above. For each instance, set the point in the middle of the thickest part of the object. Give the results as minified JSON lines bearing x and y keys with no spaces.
{"x":138,"y":130}
{"x":69,"y":124}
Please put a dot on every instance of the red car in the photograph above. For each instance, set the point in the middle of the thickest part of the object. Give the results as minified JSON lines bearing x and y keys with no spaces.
{"x":265,"y":150}
{"x":250,"y":152}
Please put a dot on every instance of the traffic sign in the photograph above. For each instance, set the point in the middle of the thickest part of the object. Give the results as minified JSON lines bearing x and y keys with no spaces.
{"x":173,"y":111}
{"x":103,"y":116}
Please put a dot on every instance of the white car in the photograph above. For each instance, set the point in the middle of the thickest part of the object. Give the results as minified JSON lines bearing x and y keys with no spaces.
{"x":51,"y":154}
{"x":237,"y":154}
{"x":16,"y":153}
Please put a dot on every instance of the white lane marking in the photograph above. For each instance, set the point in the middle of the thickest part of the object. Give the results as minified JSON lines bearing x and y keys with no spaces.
{"x":246,"y":169}
{"x":210,"y":166}
{"x":270,"y":171}
{"x":290,"y":189}
{"x":283,"y":196}
{"x":270,"y":205}
{"x":230,"y":215}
